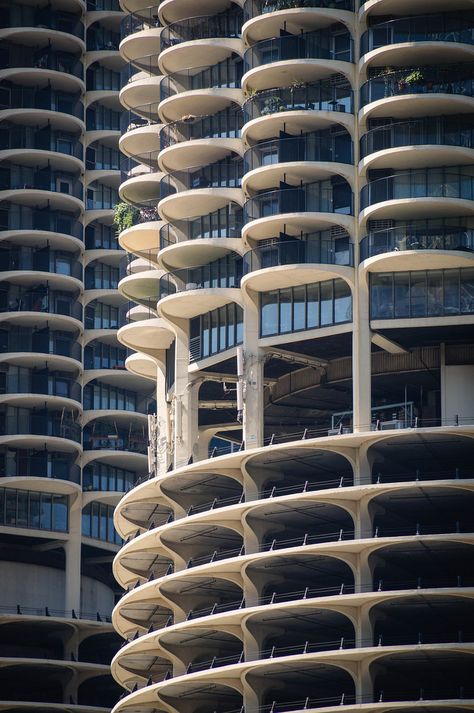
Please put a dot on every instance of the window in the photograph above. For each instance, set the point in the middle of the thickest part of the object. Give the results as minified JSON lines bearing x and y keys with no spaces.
{"x":303,"y":307}
{"x":422,"y":293}
{"x":216,"y":331}
{"x":97,"y":522}
{"x":34,"y":510}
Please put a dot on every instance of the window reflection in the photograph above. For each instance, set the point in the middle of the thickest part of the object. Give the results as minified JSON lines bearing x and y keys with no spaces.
{"x":303,"y":307}
{"x":216,"y":331}
{"x":422,"y":293}
{"x":30,"y":509}
{"x":97,"y":522}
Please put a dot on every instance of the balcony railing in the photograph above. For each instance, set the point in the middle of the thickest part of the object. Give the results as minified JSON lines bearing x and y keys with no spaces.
{"x":307,"y":147}
{"x":225,"y":25}
{"x":44,"y":260}
{"x":39,"y":423}
{"x":16,"y":177}
{"x":143,"y":19}
{"x":204,"y":277}
{"x":322,"y":95}
{"x":43,"y":382}
{"x":223,"y":223}
{"x":40,"y":300}
{"x":310,"y":198}
{"x":317,"y":44}
{"x":225,"y":75}
{"x":42,"y":341}
{"x":100,"y":39}
{"x":442,"y":131}
{"x":17,"y":15}
{"x":223,"y":174}
{"x":299,"y":252}
{"x":142,"y":115}
{"x":454,"y":183}
{"x":408,"y":237}
{"x":17,"y":464}
{"x":47,"y":99}
{"x":454,"y":80}
{"x":253,"y":8}
{"x":47,"y":58}
{"x":19,"y":217}
{"x":225,"y":124}
{"x":22,"y":137}
{"x":443,"y":27}
{"x":116,"y":441}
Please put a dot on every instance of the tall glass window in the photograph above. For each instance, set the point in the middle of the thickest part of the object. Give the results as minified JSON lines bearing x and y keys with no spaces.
{"x":98,"y":523}
{"x":216,"y":331}
{"x":422,"y":293}
{"x":33,"y":510}
{"x":295,"y":309}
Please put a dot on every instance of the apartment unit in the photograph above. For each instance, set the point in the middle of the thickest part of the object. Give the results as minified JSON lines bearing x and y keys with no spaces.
{"x":301,"y":183}
{"x":72,"y":420}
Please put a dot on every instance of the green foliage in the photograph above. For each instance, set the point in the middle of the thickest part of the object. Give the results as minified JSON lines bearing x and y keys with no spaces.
{"x":125,"y":216}
{"x":414,"y":77}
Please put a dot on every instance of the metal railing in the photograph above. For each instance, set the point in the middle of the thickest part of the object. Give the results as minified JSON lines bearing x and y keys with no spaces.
{"x":323,"y":95}
{"x":47,"y":98}
{"x":288,"y":252}
{"x":316,"y":44}
{"x":252,"y":8}
{"x":442,"y":27}
{"x":317,"y":197}
{"x":224,"y":124}
{"x":456,"y":80}
{"x":146,"y":18}
{"x":409,"y":237}
{"x":419,"y":132}
{"x":450,"y":182}
{"x":223,"y":25}
{"x":306,"y":147}
{"x":19,"y":609}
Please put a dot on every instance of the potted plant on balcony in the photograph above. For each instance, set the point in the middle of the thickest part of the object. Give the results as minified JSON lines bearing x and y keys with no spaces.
{"x":125,"y":216}
{"x":415,"y":77}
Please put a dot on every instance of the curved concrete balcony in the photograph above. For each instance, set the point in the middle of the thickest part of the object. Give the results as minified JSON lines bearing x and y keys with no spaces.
{"x":308,"y":157}
{"x":201,"y":90}
{"x":196,"y":40}
{"x":143,"y":189}
{"x":426,"y":39}
{"x":150,"y":337}
{"x":115,"y":435}
{"x":189,"y":252}
{"x":438,"y":141}
{"x":297,"y":262}
{"x":28,"y":385}
{"x":140,"y":94}
{"x":300,"y":108}
{"x":142,"y":238}
{"x":26,"y":22}
{"x":44,"y":58}
{"x":19,"y":260}
{"x":33,"y":180}
{"x":413,"y":237}
{"x":403,"y":7}
{"x":61,"y":228}
{"x":443,"y":192}
{"x":182,"y":153}
{"x":141,"y":139}
{"x":304,"y":208}
{"x":266,"y":19}
{"x":46,"y":423}
{"x":190,"y":292}
{"x":308,"y":56}
{"x":140,"y":32}
{"x":63,"y":108}
{"x":29,"y":302}
{"x":142,"y":365}
{"x":434,"y":91}
{"x":142,"y":287}
{"x":54,"y":464}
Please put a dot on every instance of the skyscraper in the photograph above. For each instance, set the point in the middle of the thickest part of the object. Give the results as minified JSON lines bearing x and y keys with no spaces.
{"x":305,"y":293}
{"x":72,"y":420}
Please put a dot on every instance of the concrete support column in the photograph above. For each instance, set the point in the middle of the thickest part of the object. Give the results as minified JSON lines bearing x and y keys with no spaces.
{"x":253,"y":416}
{"x":361,"y":359}
{"x":185,"y":404}
{"x":163,"y":445}
{"x":72,"y":551}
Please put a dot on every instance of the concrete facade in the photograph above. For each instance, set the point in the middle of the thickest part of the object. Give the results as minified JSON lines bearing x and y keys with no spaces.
{"x":302,"y":179}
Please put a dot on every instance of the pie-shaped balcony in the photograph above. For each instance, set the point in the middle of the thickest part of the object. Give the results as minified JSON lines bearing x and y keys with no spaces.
{"x":419,"y":91}
{"x":422,"y":39}
{"x":308,"y":55}
{"x":307,"y":207}
{"x":439,"y":141}
{"x":195,"y":40}
{"x":420,"y":193}
{"x":201,"y":90}
{"x":419,"y":235}
{"x":301,"y":107}
{"x":306,"y":156}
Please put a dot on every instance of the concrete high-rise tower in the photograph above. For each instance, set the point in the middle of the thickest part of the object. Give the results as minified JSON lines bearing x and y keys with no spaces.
{"x":73,"y":422}
{"x":301,"y":179}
